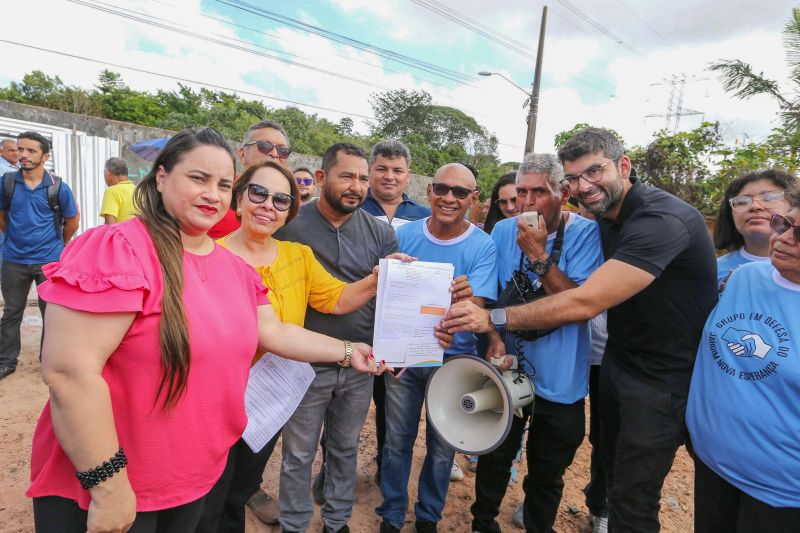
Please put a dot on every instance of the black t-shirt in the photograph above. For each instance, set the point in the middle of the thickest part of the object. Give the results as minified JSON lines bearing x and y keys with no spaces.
{"x":654,"y":335}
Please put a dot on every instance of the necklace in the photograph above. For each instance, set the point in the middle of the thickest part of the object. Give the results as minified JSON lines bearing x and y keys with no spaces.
{"x":200,"y":272}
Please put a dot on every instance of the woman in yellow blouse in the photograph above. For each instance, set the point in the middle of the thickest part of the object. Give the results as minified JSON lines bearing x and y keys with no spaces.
{"x":265,"y":199}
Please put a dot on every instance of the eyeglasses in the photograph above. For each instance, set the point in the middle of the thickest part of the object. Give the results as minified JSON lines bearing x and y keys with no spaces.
{"x":265,"y":147}
{"x":767,"y":198}
{"x":305,"y":181}
{"x":780,"y":224}
{"x":258,"y":195}
{"x":593,"y":174}
{"x":440,"y":189}
{"x":506,"y":201}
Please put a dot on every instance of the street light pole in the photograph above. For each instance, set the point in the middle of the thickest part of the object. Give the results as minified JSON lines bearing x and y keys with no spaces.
{"x":537,"y":78}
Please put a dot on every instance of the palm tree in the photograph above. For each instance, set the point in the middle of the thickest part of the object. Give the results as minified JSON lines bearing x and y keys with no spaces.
{"x":739,"y":78}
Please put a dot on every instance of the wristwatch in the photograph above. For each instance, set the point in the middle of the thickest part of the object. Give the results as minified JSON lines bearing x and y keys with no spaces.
{"x":540,"y":267}
{"x":498,"y":317}
{"x":348,"y":354}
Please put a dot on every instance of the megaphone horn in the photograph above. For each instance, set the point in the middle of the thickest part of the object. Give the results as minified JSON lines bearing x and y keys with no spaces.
{"x":471,"y":405}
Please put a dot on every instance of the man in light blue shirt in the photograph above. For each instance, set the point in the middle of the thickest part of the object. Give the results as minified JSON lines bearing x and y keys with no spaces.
{"x":557,"y":361}
{"x":444,"y":237}
{"x":9,"y":157}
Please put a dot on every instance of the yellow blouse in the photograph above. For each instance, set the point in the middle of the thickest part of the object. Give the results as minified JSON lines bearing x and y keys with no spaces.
{"x":296,"y":279}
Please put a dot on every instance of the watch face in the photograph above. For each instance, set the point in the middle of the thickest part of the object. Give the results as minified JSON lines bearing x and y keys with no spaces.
{"x":498,"y":317}
{"x":540,"y":267}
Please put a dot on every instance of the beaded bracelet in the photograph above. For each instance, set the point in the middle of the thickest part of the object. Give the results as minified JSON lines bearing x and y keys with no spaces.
{"x":98,"y":474}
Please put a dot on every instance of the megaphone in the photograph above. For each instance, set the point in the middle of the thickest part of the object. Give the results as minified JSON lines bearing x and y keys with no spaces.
{"x":470,"y":404}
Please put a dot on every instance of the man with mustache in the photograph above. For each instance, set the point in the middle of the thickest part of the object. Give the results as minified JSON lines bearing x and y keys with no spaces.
{"x":34,"y":237}
{"x":658,"y":284}
{"x":348,"y":242}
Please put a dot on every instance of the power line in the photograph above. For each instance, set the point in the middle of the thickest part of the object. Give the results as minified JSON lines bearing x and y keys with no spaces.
{"x":644,"y":21}
{"x":185,"y":80}
{"x":348,"y":41}
{"x":476,"y":27}
{"x":599,"y":27}
{"x":132,"y":15}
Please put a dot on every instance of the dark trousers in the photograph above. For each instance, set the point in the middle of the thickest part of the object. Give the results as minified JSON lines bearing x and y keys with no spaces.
{"x":596,"y":490}
{"x":556,"y":431}
{"x":54,"y":514}
{"x":379,"y":397}
{"x":244,"y":471}
{"x":719,"y":507}
{"x":642,"y":428}
{"x":15,"y":283}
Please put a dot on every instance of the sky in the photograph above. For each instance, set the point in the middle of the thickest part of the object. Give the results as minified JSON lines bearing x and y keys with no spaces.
{"x":610,"y":63}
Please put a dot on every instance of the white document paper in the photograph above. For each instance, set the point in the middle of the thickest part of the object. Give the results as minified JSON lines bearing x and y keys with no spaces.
{"x":274,"y":390}
{"x":412,"y":299}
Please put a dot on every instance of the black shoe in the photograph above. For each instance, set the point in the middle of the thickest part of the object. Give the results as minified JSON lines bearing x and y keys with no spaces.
{"x":6,"y":371}
{"x":318,"y":487}
{"x":343,"y":529}
{"x":386,"y":527}
{"x":423,"y":526}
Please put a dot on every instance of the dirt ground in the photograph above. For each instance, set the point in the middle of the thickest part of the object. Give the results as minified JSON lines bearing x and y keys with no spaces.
{"x":22,"y":396}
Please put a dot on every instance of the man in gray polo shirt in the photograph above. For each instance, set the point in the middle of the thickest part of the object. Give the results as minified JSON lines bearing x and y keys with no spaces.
{"x":348,"y":242}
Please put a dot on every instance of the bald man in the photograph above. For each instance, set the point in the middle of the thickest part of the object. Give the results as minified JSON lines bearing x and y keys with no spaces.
{"x":444,"y":237}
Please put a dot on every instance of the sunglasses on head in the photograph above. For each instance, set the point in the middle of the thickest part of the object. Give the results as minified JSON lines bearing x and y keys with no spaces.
{"x":259,"y":194}
{"x":780,"y":224}
{"x":265,"y":147}
{"x":440,"y":189}
{"x":305,"y":181}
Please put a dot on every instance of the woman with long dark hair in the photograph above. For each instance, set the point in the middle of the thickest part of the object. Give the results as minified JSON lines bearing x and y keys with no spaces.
{"x":503,"y":202}
{"x":151,"y":327}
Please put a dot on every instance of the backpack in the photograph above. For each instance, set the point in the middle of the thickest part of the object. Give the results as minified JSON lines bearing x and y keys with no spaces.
{"x":52,"y":198}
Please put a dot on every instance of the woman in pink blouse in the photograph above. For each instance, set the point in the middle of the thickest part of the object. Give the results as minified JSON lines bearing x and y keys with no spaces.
{"x":150,"y":330}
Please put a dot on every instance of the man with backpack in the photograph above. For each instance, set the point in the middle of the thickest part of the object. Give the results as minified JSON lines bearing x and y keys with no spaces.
{"x":38,"y":215}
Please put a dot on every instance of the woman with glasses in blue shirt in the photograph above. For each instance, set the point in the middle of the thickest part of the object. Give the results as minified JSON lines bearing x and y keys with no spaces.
{"x":742,"y":226}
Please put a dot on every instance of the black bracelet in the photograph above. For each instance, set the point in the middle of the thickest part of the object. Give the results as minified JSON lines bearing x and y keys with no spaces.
{"x":98,"y":474}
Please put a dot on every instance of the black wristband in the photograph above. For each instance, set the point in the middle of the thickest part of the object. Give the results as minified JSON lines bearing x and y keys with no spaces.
{"x":98,"y":474}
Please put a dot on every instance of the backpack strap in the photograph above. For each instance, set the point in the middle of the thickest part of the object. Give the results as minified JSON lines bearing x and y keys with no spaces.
{"x":53,"y":191}
{"x":8,"y":187}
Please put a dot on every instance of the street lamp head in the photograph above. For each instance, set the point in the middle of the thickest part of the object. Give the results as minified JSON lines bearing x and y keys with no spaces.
{"x":485,"y":73}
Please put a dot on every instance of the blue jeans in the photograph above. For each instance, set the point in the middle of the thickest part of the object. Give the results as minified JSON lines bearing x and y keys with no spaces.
{"x":404,"y":398}
{"x":340,"y":398}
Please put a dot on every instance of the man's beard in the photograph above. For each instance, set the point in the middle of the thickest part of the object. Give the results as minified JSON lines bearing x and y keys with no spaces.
{"x":304,"y":196}
{"x":337,"y":204}
{"x":611,"y":198}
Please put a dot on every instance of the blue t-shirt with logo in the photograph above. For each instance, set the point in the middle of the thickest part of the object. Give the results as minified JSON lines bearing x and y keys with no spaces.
{"x":561,"y":359}
{"x":31,"y":237}
{"x":472,"y":253}
{"x":729,"y":262}
{"x":407,"y":211}
{"x":743,"y":413}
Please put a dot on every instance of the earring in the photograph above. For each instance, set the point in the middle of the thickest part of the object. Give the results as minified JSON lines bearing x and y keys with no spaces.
{"x":239,"y":212}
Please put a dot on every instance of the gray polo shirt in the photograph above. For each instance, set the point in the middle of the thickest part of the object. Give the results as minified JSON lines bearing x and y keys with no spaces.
{"x":348,"y":253}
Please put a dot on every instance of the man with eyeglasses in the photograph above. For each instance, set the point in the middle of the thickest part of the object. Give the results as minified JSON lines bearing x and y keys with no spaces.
{"x":558,"y":255}
{"x":348,"y":242}
{"x":389,"y":175}
{"x":263,"y":140}
{"x":306,"y":184}
{"x":659,"y":284}
{"x":445,"y":237}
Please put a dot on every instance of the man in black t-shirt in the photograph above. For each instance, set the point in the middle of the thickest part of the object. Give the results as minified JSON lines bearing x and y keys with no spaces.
{"x":658,"y":285}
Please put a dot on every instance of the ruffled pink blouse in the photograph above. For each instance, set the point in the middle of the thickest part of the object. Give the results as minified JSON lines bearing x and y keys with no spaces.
{"x":175,"y":456}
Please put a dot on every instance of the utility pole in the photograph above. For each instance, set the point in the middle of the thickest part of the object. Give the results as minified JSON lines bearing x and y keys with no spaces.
{"x":537,"y":78}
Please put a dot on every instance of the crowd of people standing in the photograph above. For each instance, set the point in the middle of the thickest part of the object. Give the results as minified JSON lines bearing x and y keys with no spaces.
{"x":154,"y":319}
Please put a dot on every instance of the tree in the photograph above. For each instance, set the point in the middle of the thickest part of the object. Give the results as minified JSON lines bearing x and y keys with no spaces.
{"x":435,"y":134}
{"x":740,"y":79}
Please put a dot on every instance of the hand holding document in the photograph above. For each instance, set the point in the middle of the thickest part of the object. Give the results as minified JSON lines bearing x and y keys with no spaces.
{"x":412,"y":299}
{"x":274,"y":390}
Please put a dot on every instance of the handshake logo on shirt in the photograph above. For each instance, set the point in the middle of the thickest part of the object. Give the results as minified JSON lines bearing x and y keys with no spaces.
{"x":746,"y":343}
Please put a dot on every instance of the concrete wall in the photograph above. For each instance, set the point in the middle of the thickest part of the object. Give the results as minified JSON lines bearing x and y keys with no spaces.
{"x":127,"y":134}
